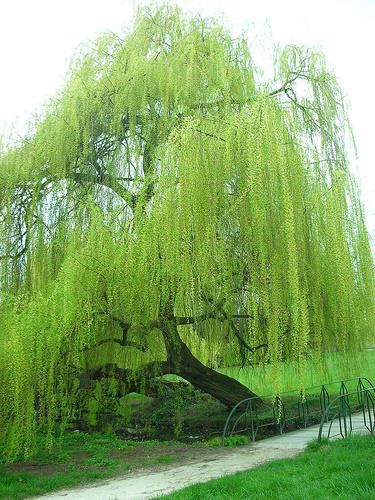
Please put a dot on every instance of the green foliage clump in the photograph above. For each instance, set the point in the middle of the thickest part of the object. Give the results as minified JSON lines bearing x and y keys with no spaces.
{"x":230,"y":441}
{"x":171,"y":407}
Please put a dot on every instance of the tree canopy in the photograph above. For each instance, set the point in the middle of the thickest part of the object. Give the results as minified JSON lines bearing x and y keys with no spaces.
{"x":171,"y":212}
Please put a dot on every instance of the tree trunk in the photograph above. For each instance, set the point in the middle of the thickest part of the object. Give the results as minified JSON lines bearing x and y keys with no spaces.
{"x":226,"y":389}
{"x":182,"y":362}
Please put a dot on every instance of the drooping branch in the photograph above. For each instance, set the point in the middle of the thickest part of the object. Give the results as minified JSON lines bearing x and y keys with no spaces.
{"x":18,"y":253}
{"x":286,"y":85}
{"x":294,"y":74}
{"x":241,"y":340}
{"x":110,"y":182}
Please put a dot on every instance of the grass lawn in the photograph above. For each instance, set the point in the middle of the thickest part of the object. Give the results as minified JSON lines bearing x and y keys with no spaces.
{"x":342,"y":469}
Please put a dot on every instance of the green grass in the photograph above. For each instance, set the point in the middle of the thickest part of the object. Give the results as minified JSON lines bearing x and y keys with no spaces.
{"x":342,"y":469}
{"x":260,"y":378}
{"x":80,"y":457}
{"x":22,"y":485}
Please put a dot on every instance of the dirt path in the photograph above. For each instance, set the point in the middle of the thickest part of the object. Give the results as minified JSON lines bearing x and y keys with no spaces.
{"x":141,"y":486}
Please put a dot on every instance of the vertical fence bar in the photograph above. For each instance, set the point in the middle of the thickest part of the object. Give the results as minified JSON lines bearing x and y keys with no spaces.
{"x":367,"y":407}
{"x":324,"y":400}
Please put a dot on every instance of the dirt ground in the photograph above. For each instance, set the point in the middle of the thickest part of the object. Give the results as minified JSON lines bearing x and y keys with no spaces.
{"x":140,"y":458}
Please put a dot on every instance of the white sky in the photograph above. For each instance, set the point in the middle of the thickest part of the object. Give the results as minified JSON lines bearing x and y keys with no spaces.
{"x":38,"y":37}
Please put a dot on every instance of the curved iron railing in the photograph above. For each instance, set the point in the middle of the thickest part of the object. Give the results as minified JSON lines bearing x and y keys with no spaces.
{"x":291,"y":409}
{"x":338,"y":414}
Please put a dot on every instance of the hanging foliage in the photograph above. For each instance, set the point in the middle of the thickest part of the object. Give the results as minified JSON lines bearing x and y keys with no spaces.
{"x":171,"y":213}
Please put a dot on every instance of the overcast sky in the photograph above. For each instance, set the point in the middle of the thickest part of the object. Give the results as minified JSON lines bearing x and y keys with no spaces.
{"x":38,"y":37}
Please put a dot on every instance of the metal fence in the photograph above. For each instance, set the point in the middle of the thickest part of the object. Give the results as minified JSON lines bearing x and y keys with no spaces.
{"x":300,"y":408}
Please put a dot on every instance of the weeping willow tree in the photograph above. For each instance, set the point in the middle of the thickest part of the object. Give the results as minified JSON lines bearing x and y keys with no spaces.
{"x":170,"y":213}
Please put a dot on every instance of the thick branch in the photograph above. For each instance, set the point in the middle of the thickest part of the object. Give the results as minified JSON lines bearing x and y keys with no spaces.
{"x":183,"y":363}
{"x":17,"y":255}
{"x":123,"y":342}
